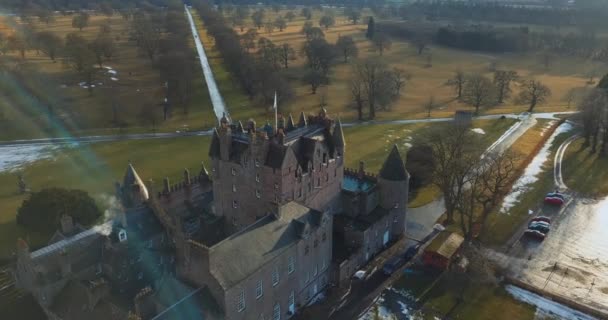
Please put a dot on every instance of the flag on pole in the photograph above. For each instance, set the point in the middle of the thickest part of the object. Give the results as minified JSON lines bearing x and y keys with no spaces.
{"x":276,"y":116}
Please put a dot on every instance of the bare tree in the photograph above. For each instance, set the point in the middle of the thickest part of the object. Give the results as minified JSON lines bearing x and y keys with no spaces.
{"x":457,"y":82}
{"x":346,"y":45}
{"x":258,"y":18}
{"x":381,"y":42}
{"x":430,"y":105}
{"x":290,"y":16}
{"x":49,"y":43}
{"x":488,"y":183}
{"x":374,"y":84}
{"x":456,"y":153}
{"x":80,"y":21}
{"x":248,"y":39}
{"x":315,"y":79}
{"x":352,"y":14}
{"x":269,"y":27}
{"x":327,"y":21}
{"x":546,"y":59}
{"x":502,"y":81}
{"x":478,"y":92}
{"x":533,"y":93}
{"x":420,"y":42}
{"x":306,"y":13}
{"x":286,"y":54}
{"x":280,"y":23}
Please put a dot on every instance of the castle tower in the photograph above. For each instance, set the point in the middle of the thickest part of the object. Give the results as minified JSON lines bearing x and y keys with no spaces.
{"x":393,"y":181}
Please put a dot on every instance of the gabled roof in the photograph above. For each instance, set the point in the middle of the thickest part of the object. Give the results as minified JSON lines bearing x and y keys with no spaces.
{"x":241,"y":255}
{"x":393,"y":168}
{"x":276,"y":155}
{"x":445,"y":244}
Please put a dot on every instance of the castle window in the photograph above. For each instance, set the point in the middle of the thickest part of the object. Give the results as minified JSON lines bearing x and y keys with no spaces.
{"x":276,"y":186}
{"x":235,"y":204}
{"x":276,"y":198}
{"x":316,"y":243}
{"x":395,"y":219}
{"x":291,"y":265}
{"x":240,"y":304}
{"x":324,"y":237}
{"x":276,"y":312}
{"x":300,"y":193}
{"x":336,"y":172}
{"x":327,"y":177}
{"x":233,"y":187}
{"x":318,"y":182}
{"x":233,"y":171}
{"x":275,"y":276}
{"x":259,"y":290}
{"x":258,"y":194}
{"x":315,"y":271}
{"x":324,"y":158}
{"x":323,"y":264}
{"x":307,"y":276}
{"x":257,"y":177}
{"x":396,"y":205}
{"x":257,"y":162}
{"x":291,"y":302}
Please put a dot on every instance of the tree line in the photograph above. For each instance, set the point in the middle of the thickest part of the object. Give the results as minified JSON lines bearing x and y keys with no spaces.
{"x":594,"y":118}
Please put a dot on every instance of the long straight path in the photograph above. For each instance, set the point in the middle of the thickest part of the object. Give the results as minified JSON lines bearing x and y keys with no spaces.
{"x":219,"y":107}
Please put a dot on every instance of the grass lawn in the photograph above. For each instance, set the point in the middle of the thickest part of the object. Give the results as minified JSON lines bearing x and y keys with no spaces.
{"x":95,"y":168}
{"x":563,"y":75}
{"x":36,"y":82}
{"x":585,"y":172}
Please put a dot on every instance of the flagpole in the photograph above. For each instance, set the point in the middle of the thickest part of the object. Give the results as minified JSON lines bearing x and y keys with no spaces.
{"x":276,"y":116}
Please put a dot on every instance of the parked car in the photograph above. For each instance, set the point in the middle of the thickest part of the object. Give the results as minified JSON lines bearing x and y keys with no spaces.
{"x":540,"y":226}
{"x":534,"y":234}
{"x":392,"y":265}
{"x":359,"y":275}
{"x":542,"y":218}
{"x":554,"y":198}
{"x":411,"y":252}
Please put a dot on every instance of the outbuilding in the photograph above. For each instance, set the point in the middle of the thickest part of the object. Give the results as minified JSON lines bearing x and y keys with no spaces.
{"x":442,"y":250}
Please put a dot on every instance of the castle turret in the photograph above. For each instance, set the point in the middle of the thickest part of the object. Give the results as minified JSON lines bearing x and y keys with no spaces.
{"x":134,"y":191}
{"x":393,"y":181}
{"x":338,"y":138}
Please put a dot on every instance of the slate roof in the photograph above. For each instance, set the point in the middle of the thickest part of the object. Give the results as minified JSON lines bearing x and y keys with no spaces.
{"x":276,"y":154}
{"x":72,"y":303}
{"x":242,"y":254}
{"x":214,"y":149}
{"x":338,"y":136}
{"x":393,"y":168}
{"x":132,"y":178}
{"x":445,"y":244}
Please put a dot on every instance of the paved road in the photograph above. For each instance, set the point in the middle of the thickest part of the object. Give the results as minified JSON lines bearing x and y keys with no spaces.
{"x":219,"y":107}
{"x":143,"y":136}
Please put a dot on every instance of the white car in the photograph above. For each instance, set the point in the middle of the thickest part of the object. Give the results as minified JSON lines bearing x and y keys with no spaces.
{"x":359,"y":275}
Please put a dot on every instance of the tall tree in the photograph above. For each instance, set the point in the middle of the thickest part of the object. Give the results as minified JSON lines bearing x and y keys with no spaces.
{"x":371,"y":28}
{"x":533,"y":93}
{"x":147,"y":34}
{"x":49,"y":43}
{"x":381,"y":42}
{"x":456,"y":152}
{"x":374,"y":85}
{"x":315,"y":79}
{"x":286,"y":54}
{"x":258,"y":18}
{"x":290,"y":16}
{"x":347,"y":47}
{"x":80,"y":21}
{"x":502,"y":81}
{"x":319,"y":55}
{"x":457,"y":82}
{"x":280,"y":23}
{"x":104,"y":48}
{"x":327,"y":21}
{"x":306,"y":13}
{"x":80,"y":57}
{"x":478,"y":92}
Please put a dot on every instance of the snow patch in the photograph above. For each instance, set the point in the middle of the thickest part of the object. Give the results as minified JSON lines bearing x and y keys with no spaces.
{"x":532,"y":171}
{"x":546,"y":308}
{"x":14,"y":157}
{"x":478,"y":130}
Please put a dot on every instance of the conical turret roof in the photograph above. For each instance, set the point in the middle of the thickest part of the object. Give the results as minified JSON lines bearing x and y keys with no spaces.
{"x":338,"y":135}
{"x":132,"y":178}
{"x":393,"y":168}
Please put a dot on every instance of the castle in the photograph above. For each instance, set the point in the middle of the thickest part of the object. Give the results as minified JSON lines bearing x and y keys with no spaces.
{"x":275,"y":222}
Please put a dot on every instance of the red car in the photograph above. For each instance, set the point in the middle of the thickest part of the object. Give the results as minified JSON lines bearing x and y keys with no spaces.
{"x":554,"y":198}
{"x":541,"y":219}
{"x":534,"y":234}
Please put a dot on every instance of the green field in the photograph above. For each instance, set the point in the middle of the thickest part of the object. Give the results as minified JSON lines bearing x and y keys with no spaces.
{"x":585,"y":172}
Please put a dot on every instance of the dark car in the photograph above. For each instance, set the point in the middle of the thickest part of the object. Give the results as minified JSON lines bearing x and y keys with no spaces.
{"x":534,"y":234}
{"x":540,"y":226}
{"x":392,"y":265}
{"x":542,"y":218}
{"x":411,"y":252}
